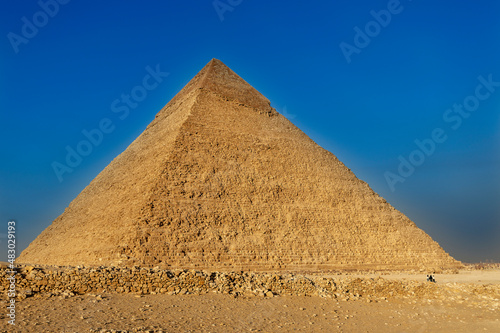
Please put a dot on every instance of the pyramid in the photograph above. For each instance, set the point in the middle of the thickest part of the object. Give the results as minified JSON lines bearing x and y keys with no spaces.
{"x":220,"y":180}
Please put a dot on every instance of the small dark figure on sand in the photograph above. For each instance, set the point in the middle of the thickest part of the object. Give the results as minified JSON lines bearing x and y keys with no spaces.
{"x":430,"y":278}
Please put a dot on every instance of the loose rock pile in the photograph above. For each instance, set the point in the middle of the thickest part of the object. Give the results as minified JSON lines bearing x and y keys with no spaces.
{"x":68,"y":281}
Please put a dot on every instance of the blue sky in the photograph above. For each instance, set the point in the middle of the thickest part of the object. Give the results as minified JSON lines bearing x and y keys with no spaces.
{"x":364,"y":79}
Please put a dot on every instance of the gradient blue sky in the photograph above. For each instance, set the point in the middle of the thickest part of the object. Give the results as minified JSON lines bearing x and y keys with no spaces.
{"x":368,"y":112}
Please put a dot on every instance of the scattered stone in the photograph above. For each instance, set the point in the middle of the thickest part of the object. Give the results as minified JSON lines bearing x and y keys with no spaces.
{"x":48,"y":281}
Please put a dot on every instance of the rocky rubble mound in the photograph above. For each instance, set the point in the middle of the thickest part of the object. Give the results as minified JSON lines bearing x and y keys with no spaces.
{"x":69,"y":281}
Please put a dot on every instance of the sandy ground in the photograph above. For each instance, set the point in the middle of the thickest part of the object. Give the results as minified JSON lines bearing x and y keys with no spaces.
{"x":476,"y":276}
{"x":224,"y":313}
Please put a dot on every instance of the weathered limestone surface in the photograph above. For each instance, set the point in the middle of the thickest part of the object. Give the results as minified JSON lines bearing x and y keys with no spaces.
{"x":219,"y":180}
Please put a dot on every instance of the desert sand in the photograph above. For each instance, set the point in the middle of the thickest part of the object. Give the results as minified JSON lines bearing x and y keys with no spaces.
{"x":461,"y":303}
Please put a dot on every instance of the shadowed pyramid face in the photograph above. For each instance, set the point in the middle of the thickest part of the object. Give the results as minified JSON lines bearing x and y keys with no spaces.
{"x":220,"y":180}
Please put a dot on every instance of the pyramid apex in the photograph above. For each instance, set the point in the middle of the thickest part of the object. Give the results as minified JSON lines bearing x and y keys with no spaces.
{"x":220,"y":79}
{"x":215,"y":65}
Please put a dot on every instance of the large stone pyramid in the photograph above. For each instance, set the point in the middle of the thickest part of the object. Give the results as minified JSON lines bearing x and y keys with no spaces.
{"x":220,"y":180}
